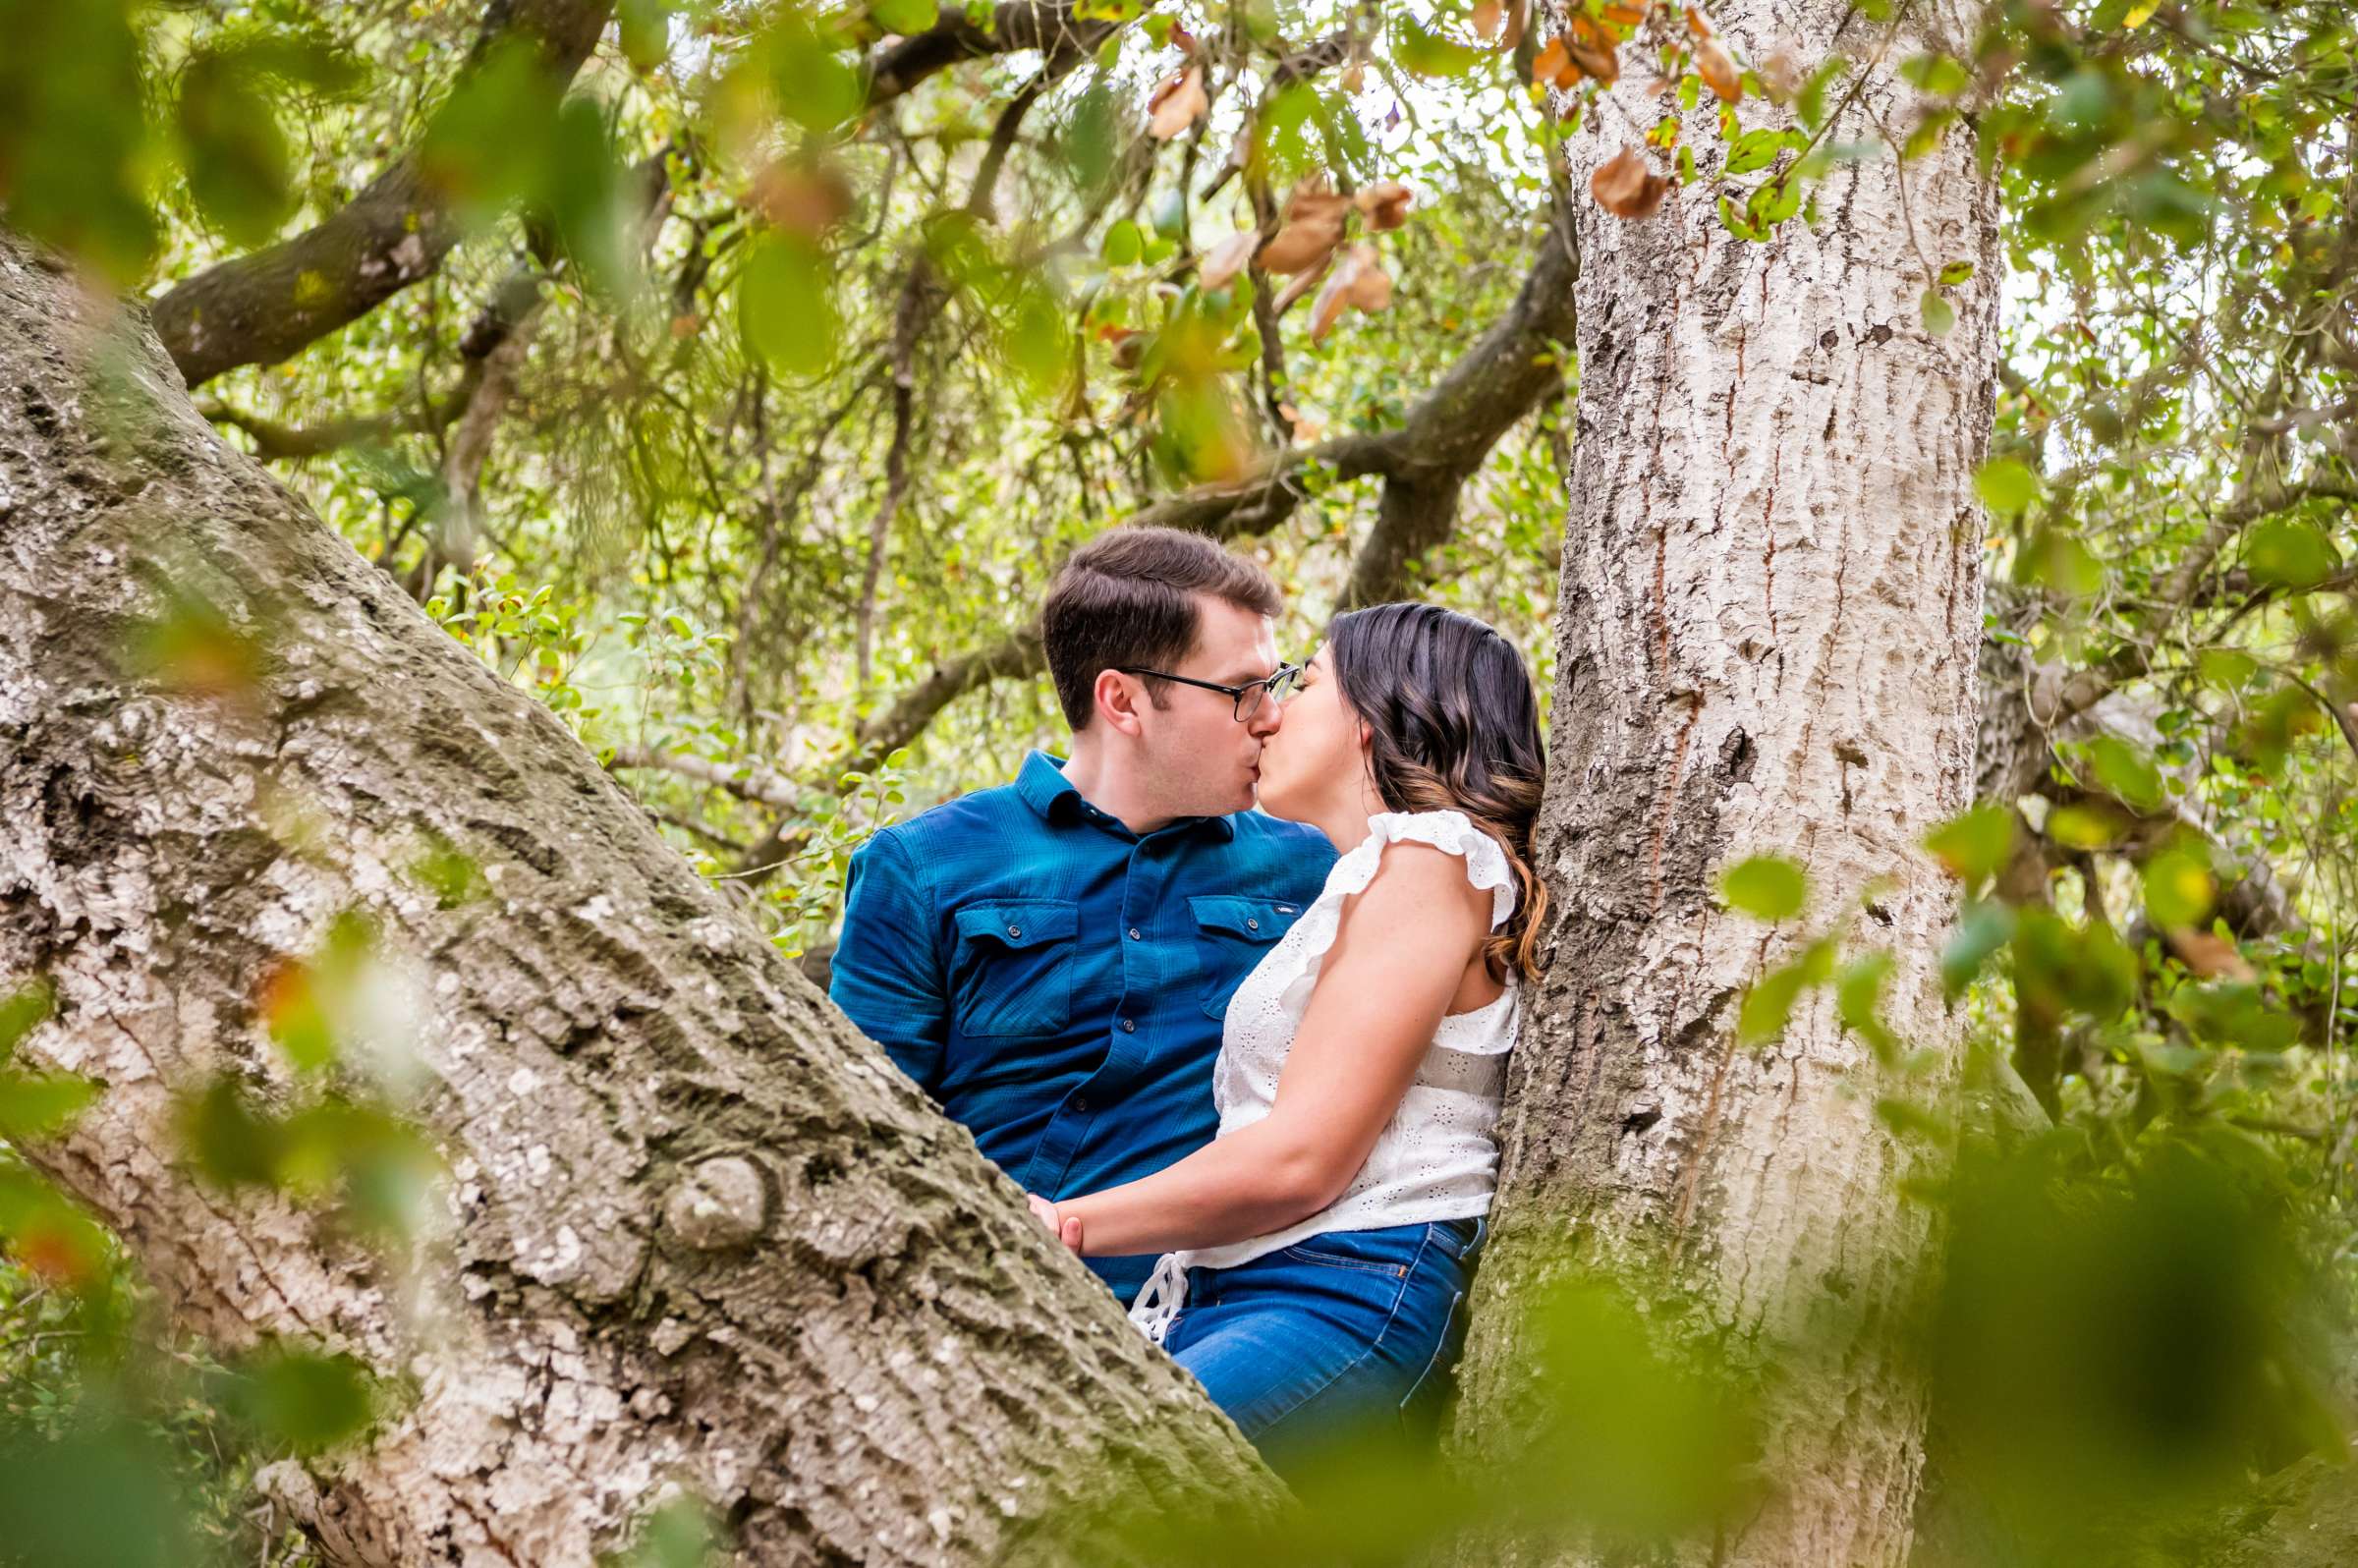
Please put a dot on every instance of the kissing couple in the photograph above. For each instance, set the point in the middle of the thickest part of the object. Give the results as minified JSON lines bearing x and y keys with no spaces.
{"x":1248,"y":1063}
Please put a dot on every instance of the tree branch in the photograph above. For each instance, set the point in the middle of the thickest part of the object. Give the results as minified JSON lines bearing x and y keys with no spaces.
{"x":755,"y":784}
{"x":267,"y":305}
{"x":1015,"y":26}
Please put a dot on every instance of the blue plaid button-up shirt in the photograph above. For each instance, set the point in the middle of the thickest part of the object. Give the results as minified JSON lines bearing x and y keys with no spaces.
{"x":1056,"y":981}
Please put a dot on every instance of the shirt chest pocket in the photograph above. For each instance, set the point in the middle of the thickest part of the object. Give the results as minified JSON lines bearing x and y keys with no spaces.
{"x":1014,"y":970}
{"x":1232,"y":935}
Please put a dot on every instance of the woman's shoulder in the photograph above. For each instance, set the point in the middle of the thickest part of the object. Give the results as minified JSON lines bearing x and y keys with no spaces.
{"x":1440,"y":848}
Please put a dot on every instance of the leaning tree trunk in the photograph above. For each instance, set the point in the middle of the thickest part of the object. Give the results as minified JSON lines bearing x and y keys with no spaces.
{"x":1770,"y":604}
{"x":702,"y":1233}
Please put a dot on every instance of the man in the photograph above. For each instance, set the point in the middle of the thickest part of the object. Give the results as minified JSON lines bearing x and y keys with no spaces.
{"x":1051,"y":960}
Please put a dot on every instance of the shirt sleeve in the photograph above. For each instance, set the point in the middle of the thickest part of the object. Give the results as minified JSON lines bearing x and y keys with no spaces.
{"x":887,"y":968}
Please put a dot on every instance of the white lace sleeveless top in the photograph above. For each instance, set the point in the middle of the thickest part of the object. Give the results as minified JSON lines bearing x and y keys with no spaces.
{"x":1437,"y":1157}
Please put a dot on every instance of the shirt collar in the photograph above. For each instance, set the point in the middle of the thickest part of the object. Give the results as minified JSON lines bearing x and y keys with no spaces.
{"x":1045,"y":788}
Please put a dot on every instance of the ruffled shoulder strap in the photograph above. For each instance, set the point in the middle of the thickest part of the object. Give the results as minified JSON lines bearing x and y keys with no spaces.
{"x":1454,"y":831}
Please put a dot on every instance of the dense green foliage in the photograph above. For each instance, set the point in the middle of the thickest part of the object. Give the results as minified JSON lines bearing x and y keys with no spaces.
{"x":771,"y":378}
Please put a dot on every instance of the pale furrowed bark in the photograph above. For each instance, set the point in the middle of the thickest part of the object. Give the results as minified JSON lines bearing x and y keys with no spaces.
{"x":701,"y":1232}
{"x":1770,"y":606}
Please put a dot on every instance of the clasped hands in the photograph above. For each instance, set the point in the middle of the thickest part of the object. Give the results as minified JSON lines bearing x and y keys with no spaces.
{"x":1066,"y":1228}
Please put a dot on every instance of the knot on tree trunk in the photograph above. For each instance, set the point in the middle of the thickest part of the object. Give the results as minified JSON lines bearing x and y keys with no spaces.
{"x":720,"y":1202}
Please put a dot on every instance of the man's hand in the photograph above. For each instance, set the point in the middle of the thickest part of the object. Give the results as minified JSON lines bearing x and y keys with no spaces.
{"x":1065,"y":1228}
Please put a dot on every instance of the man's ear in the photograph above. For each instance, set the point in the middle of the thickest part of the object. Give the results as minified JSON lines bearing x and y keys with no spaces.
{"x":1117,"y":703}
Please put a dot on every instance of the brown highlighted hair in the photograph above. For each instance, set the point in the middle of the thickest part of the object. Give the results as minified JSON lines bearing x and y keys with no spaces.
{"x":1454,"y":725}
{"x":1127,"y":599}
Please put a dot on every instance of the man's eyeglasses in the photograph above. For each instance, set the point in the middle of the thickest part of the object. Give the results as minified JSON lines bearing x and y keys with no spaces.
{"x":1245,"y":699}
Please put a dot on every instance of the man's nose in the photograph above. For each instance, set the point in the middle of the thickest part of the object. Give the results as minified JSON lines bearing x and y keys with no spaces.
{"x":1266,"y":718}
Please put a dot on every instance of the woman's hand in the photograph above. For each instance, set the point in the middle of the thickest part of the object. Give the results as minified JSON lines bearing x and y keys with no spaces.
{"x":1066,"y":1228}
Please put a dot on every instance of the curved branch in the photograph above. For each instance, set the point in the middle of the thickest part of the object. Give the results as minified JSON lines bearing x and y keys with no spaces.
{"x":267,"y":305}
{"x":1015,"y":25}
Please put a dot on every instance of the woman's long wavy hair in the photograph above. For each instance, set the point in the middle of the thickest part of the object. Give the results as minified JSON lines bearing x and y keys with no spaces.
{"x":1454,"y":725}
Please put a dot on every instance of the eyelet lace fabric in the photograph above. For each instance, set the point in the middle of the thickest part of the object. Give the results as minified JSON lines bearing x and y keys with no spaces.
{"x":1437,"y":1159}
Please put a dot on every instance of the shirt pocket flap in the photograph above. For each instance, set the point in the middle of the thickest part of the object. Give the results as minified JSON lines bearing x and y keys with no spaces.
{"x":1020,"y":923}
{"x":1251,"y":919}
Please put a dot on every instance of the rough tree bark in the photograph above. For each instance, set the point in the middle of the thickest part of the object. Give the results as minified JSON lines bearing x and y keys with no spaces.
{"x":701,"y":1232}
{"x":1770,"y":606}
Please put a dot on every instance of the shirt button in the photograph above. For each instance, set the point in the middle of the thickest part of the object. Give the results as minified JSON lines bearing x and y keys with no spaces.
{"x":1134,"y":936}
{"x":1251,"y":925}
{"x":1129,"y":1026}
{"x":1015,"y":931}
{"x":1080,"y":1102}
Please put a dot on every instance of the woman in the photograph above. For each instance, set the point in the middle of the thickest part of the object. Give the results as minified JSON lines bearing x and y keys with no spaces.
{"x":1317,"y":1251}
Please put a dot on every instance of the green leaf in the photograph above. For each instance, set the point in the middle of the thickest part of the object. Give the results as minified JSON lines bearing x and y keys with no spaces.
{"x":2088,"y":826}
{"x":1938,"y":314}
{"x":34,"y":1105}
{"x":1975,"y":845}
{"x":645,"y":29}
{"x":1428,"y":54}
{"x":1769,"y":1004}
{"x":307,"y":1403}
{"x":1754,"y":149}
{"x":24,"y":1011}
{"x":2060,"y":561}
{"x":2287,"y":552}
{"x":2226,"y":668}
{"x":1982,"y":929}
{"x":1809,"y":102}
{"x":2005,"y":485}
{"x":815,"y":84}
{"x":1767,"y":887}
{"x":904,"y":17}
{"x":239,"y":168}
{"x":2178,"y":888}
{"x":1939,"y":74}
{"x":2125,"y":771}
{"x":786,"y":304}
{"x":1858,"y":999}
{"x":1123,"y":245}
{"x":1955,"y":273}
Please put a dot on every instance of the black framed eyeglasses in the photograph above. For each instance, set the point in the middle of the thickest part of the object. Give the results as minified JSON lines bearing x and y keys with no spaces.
{"x":1245,"y":699}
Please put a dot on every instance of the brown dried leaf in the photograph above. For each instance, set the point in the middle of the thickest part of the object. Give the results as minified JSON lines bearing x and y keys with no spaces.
{"x":2210,"y":955}
{"x":1592,"y":49}
{"x":1553,"y":62}
{"x":1698,"y":24}
{"x":1355,"y":75}
{"x":1518,"y":22}
{"x":1371,"y":287}
{"x":1327,"y":308}
{"x":1626,"y":186}
{"x":803,"y":199}
{"x":1622,"y":16}
{"x":1780,"y":74}
{"x":1312,"y":228}
{"x":1384,"y":205}
{"x":1300,"y":286}
{"x":1227,"y":260}
{"x":1306,"y":427}
{"x":1177,"y":104}
{"x":1718,"y":71}
{"x":1489,"y":16}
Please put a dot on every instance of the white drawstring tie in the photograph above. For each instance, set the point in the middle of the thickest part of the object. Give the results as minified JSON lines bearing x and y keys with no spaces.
{"x":1158,"y":1302}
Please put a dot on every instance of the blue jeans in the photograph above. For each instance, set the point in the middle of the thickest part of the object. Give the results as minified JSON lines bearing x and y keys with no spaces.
{"x":1345,"y":1337}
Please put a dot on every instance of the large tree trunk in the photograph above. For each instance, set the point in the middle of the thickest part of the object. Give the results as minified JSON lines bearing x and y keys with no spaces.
{"x":701,"y":1232}
{"x":1772,"y":601}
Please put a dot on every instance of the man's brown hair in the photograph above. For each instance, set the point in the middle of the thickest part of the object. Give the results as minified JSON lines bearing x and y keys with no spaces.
{"x":1127,"y":599}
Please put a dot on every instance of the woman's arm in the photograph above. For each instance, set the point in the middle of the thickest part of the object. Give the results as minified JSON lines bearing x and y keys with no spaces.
{"x":1399,"y":957}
